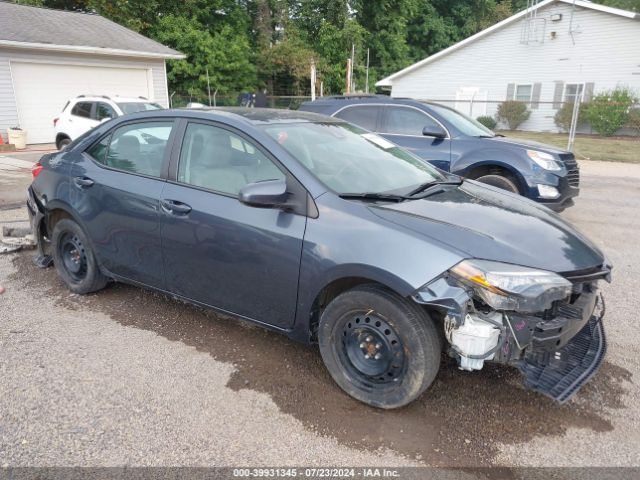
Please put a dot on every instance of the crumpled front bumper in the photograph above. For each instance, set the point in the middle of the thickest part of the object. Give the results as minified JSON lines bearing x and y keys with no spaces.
{"x":561,"y":373}
{"x":557,"y":351}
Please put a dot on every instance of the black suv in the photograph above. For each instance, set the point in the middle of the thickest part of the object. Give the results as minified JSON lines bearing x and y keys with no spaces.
{"x":458,"y":144}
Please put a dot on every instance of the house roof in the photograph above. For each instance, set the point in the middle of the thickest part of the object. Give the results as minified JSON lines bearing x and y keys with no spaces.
{"x":388,"y":81}
{"x":23,"y":26}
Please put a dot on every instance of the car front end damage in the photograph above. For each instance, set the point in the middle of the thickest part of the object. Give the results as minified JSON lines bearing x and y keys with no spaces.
{"x":547,"y":325}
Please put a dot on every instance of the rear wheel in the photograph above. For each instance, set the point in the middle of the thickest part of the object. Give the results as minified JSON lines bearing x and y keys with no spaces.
{"x":74,"y":259}
{"x":63,"y":143}
{"x":378,"y":347}
{"x":501,"y":181}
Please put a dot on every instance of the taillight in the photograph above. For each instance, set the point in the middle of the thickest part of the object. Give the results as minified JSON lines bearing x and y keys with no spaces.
{"x":36,"y":169}
{"x":55,"y":121}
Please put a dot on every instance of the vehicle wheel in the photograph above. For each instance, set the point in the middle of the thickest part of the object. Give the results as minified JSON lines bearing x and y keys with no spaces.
{"x":62,"y":144}
{"x":74,"y":259}
{"x":500,"y":181}
{"x":378,"y":347}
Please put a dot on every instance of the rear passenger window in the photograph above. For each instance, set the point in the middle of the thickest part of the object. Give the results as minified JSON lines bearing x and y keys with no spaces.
{"x":82,"y":109}
{"x":363,"y":115}
{"x":137,"y":148}
{"x":216,"y":159}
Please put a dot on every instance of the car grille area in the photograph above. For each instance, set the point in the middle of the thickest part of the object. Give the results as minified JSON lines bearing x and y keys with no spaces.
{"x":573,"y":172}
{"x":560,"y":374}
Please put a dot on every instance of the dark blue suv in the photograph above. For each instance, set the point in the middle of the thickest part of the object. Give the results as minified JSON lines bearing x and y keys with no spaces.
{"x":458,"y":144}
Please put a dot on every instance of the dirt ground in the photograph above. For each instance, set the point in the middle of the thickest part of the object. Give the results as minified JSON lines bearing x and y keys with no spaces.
{"x":139,"y":378}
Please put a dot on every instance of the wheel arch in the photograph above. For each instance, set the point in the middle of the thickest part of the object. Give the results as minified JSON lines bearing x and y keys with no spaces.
{"x":495,"y":167}
{"x":339,"y":284}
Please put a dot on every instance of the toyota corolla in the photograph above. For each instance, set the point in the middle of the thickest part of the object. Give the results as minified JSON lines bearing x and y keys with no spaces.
{"x":334,"y":236}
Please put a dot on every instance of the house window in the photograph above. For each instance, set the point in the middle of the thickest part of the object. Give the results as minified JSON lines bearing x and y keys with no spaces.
{"x":523,"y":93}
{"x":573,"y":92}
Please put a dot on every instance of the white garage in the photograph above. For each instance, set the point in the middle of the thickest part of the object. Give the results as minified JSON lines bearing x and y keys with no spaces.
{"x":93,"y":56}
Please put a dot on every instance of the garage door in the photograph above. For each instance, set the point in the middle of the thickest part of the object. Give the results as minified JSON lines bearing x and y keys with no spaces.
{"x":42,"y":90}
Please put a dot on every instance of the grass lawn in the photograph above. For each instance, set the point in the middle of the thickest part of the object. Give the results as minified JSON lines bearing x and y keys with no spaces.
{"x":588,"y":147}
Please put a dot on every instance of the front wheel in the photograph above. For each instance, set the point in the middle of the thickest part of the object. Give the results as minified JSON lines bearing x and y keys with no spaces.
{"x":74,"y":260}
{"x":378,"y":347}
{"x":500,"y":181}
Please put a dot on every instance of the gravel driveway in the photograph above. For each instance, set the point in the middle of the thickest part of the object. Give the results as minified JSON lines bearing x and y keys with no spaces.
{"x":130,"y":377}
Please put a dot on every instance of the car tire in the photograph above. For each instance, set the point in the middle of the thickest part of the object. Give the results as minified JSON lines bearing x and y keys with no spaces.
{"x":63,"y":143}
{"x":379,"y":348}
{"x":500,"y":181}
{"x":74,"y":259}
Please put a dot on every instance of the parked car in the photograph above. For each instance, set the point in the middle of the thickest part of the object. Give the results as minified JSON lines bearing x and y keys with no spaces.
{"x":84,"y":112}
{"x":458,"y":144}
{"x":318,"y":229}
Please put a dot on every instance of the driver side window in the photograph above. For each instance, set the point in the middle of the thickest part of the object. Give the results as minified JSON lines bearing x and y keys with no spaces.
{"x":408,"y":121}
{"x":216,"y":159}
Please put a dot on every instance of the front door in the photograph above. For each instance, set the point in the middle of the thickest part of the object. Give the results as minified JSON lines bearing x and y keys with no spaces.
{"x":403,"y":125}
{"x":116,"y":187}
{"x":219,"y":251}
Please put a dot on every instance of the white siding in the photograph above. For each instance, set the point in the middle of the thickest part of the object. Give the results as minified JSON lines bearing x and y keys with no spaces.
{"x":606,"y":52}
{"x":8,"y":109}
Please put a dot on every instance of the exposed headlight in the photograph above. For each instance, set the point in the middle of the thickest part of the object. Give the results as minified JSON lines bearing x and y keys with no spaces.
{"x":544,"y":160}
{"x":511,"y":287}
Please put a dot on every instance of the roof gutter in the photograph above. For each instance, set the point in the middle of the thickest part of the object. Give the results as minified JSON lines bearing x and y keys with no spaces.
{"x":90,"y":50}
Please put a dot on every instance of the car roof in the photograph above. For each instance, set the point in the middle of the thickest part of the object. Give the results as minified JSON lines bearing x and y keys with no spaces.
{"x":115,"y":98}
{"x":343,"y":100}
{"x":264,"y":116}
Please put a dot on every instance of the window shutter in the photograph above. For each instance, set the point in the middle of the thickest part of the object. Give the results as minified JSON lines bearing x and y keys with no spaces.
{"x":535,"y":96}
{"x":557,"y":94}
{"x":588,"y":92}
{"x":511,"y":88}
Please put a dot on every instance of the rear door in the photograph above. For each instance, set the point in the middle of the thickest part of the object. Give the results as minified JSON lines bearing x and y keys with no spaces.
{"x":115,"y":189}
{"x":81,"y":119}
{"x":365,"y":116}
{"x":403,"y":125}
{"x":217,"y":250}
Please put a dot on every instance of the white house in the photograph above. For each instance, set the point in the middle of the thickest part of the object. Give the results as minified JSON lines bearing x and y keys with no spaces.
{"x":551,"y":53}
{"x":49,"y":56}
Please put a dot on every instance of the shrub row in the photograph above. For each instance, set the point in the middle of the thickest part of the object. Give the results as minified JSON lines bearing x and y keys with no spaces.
{"x":607,"y":112}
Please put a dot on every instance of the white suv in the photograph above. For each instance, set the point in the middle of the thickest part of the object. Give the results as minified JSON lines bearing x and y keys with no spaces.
{"x":85,"y":112}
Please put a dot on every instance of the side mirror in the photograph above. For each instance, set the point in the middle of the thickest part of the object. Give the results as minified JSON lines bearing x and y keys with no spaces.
{"x":434,"y":131}
{"x":105,"y":119}
{"x":266,"y":194}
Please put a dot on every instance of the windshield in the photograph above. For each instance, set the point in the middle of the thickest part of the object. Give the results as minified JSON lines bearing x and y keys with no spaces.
{"x":466,"y":125}
{"x":134,"y":107}
{"x":348,"y":159}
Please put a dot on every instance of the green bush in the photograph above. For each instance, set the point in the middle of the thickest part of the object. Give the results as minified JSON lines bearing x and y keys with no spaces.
{"x":513,"y":113}
{"x":608,"y":112}
{"x":487,"y":121}
{"x":563,"y":116}
{"x":633,"y":120}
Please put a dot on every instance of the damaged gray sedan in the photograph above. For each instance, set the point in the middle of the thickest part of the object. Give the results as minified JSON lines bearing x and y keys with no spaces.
{"x":312,"y":227}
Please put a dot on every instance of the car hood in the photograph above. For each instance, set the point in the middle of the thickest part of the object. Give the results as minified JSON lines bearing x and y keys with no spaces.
{"x":518,"y":142}
{"x":487,"y":223}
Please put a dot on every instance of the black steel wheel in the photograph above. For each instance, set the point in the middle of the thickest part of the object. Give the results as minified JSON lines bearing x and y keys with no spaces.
{"x":74,"y":259}
{"x":379,"y":348}
{"x":371,"y":349}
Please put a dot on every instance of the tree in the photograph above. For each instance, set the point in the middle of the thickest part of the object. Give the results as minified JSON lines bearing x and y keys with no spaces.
{"x":227,"y":55}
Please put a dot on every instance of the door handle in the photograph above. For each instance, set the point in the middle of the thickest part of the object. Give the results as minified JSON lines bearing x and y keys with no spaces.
{"x":174,"y":207}
{"x":83,"y":182}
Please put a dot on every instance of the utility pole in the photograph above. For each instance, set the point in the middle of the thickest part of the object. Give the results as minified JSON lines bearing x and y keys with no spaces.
{"x":348,"y":86}
{"x":353,"y":61}
{"x":313,"y":80}
{"x":366,"y":87}
{"x":208,"y":86}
